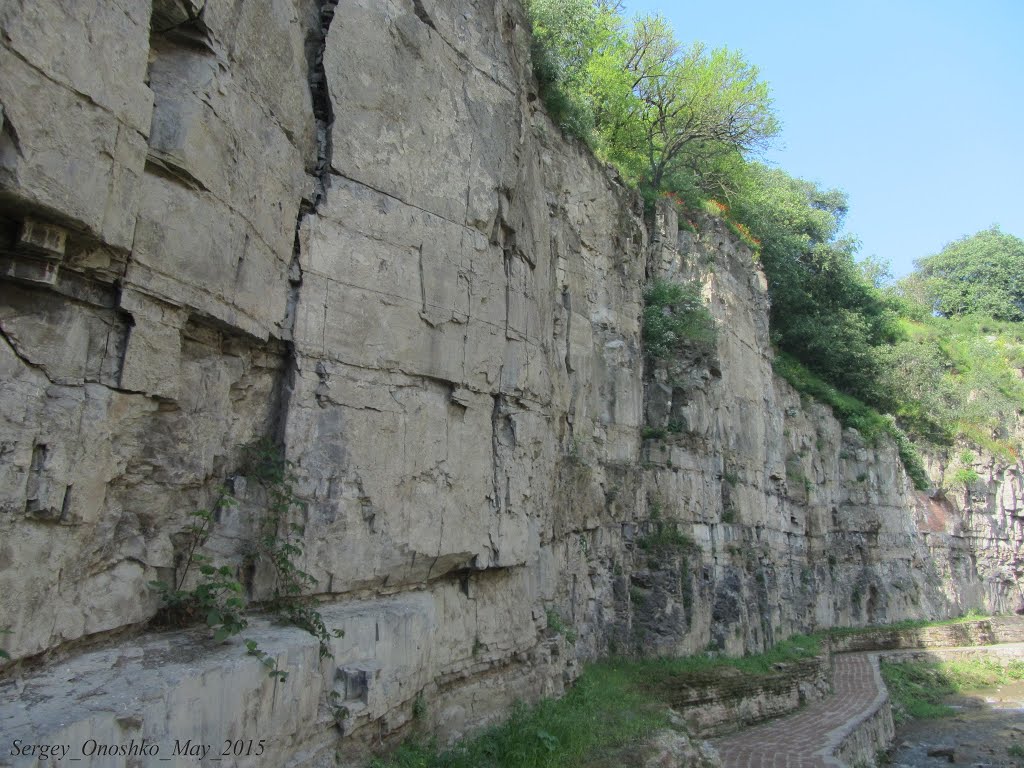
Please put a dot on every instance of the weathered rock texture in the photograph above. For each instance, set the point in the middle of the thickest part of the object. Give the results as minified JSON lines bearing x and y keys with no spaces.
{"x":352,"y":230}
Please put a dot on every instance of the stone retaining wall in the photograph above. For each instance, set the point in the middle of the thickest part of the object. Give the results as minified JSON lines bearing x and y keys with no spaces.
{"x":858,"y":741}
{"x":718,"y":706}
{"x":946,"y":636}
{"x":1008,"y":629}
{"x":1000,"y":629}
{"x":1002,"y":654}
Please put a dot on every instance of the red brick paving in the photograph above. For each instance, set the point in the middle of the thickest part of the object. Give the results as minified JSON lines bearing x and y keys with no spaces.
{"x":805,"y":738}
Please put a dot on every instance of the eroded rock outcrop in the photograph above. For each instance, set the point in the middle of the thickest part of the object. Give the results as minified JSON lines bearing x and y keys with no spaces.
{"x":353,"y":230}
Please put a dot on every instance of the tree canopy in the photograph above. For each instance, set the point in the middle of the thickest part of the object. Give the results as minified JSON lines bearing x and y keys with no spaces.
{"x":982,"y":274}
{"x":645,"y":101}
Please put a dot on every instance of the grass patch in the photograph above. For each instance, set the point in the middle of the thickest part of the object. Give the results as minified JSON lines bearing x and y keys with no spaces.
{"x":617,"y":704}
{"x":663,"y":678}
{"x":602,"y":711}
{"x":920,"y":689}
{"x":614,"y":704}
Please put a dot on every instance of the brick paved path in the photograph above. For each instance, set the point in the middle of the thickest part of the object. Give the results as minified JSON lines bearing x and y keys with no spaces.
{"x":806,"y":738}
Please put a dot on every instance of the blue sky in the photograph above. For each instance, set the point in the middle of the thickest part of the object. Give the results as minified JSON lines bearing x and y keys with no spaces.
{"x":914,"y":108}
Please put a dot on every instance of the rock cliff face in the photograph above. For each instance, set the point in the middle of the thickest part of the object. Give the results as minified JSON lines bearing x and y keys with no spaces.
{"x":353,"y":231}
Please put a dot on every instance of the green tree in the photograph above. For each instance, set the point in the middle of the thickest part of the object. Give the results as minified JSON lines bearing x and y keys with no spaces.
{"x":689,"y":104}
{"x":577,"y":50}
{"x":653,"y":107}
{"x":825,"y":311}
{"x":877,"y":272}
{"x":981,"y":274}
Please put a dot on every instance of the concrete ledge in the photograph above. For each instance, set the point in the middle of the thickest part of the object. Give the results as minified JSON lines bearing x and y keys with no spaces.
{"x":176,"y":694}
{"x":179,"y":692}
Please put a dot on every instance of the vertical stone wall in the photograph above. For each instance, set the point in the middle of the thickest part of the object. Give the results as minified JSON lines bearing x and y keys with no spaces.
{"x":163,"y":147}
{"x":794,"y":523}
{"x":353,"y":232}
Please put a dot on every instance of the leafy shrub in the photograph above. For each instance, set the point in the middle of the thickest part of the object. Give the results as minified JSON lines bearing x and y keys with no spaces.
{"x":665,"y":536}
{"x":675,"y":321}
{"x":964,"y":477}
{"x":217,"y":598}
{"x":279,"y":542}
{"x":565,"y":109}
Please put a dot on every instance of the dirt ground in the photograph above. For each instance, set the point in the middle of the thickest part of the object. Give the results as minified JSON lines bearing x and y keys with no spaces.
{"x":988,"y":730}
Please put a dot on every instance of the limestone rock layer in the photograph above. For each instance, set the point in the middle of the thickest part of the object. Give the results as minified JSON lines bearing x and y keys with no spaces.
{"x":350,"y":229}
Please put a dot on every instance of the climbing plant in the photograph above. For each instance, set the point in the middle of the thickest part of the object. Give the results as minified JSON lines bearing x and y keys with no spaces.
{"x":218,"y":596}
{"x":279,"y":543}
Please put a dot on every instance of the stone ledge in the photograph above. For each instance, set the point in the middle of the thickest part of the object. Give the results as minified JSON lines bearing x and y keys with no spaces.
{"x":944,"y":636}
{"x":179,"y":686}
{"x":1003,"y":653}
{"x":175,"y":686}
{"x":1008,"y":629}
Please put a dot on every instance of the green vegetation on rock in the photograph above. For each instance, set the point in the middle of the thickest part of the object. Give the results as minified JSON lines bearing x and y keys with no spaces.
{"x":931,"y":360}
{"x":656,"y":108}
{"x":216,"y":595}
{"x":675,"y":320}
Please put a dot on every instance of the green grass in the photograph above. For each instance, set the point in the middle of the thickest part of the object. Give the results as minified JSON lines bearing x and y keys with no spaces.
{"x":795,"y":648}
{"x":616,"y":704}
{"x":611,"y":708}
{"x":920,"y":689}
{"x":602,"y":711}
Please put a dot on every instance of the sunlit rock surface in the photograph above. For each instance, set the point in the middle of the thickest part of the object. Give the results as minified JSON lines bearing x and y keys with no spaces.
{"x":355,"y":231}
